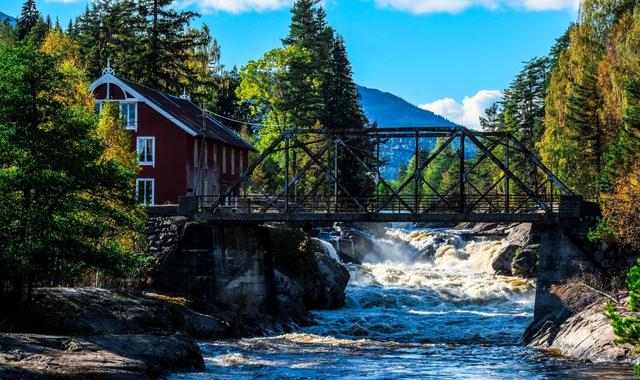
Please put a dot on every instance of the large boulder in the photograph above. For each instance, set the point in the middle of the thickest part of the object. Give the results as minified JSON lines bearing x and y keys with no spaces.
{"x":334,"y":278}
{"x":289,"y":299}
{"x":519,"y":257}
{"x":503,"y":260}
{"x":93,"y":311}
{"x":304,"y":261}
{"x":580,"y":329}
{"x":525,"y":261}
{"x":521,"y":235}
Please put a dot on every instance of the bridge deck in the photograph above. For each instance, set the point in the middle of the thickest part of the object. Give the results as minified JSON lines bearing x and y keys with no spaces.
{"x":212,"y":216}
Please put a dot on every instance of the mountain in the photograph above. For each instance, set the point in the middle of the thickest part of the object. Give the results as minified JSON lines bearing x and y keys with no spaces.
{"x":389,"y":110}
{"x":392,"y":111}
{"x":6,"y":18}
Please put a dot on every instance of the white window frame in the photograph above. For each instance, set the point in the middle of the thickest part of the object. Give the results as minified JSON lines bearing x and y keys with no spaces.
{"x":153,"y":152}
{"x":153,"y":190}
{"x":224,"y":160}
{"x":135,"y":115}
{"x":241,"y":163}
{"x":101,"y":102}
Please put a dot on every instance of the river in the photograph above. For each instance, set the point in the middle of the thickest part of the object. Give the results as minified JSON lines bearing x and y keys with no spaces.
{"x":446,"y":317}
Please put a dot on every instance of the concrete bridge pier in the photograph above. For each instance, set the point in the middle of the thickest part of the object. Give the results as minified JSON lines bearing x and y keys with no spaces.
{"x":560,"y":258}
{"x":229,"y":263}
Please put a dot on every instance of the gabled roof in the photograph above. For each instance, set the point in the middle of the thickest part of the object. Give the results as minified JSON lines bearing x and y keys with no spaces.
{"x":180,"y":111}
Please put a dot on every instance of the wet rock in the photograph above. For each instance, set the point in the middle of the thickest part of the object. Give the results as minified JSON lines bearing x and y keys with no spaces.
{"x":355,"y":245}
{"x":304,"y":262}
{"x":333,"y":281}
{"x":97,"y":357}
{"x":502,"y":261}
{"x":286,"y":287}
{"x":437,"y":240}
{"x":525,"y":262}
{"x":289,"y":301}
{"x":204,"y":326}
{"x":485,"y":227}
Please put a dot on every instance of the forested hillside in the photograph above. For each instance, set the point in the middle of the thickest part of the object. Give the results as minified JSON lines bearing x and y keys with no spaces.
{"x":389,"y":110}
{"x":579,"y":109}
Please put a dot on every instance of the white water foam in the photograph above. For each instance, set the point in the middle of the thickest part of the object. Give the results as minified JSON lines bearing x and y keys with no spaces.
{"x":328,"y":249}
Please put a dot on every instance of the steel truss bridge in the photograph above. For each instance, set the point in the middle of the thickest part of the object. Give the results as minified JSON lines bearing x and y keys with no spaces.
{"x":491,"y":177}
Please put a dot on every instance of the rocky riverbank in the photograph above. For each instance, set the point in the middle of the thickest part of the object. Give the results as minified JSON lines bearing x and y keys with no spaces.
{"x":581,"y":330}
{"x":98,"y":333}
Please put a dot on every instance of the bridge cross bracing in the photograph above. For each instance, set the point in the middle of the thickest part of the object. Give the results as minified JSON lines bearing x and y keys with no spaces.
{"x":315,"y":175}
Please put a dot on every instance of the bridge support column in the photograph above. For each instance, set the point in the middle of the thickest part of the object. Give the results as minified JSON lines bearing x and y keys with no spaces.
{"x":560,"y":260}
{"x":229,"y":263}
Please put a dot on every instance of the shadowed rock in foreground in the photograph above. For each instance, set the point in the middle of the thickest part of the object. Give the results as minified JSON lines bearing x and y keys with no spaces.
{"x":96,"y":357}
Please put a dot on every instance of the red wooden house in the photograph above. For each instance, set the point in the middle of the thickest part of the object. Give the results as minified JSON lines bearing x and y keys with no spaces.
{"x":179,"y":153}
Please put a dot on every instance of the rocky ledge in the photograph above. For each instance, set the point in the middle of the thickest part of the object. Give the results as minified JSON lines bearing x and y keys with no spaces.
{"x":580,"y":330}
{"x":80,"y":333}
{"x":28,"y":356}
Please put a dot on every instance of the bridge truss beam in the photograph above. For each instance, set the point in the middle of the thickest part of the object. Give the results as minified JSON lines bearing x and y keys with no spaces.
{"x":304,"y":176}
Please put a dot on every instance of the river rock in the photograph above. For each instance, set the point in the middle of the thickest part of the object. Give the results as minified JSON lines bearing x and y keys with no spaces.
{"x":521,"y":235}
{"x":289,"y":300}
{"x":94,"y":311}
{"x":525,"y":262}
{"x":302,"y":260}
{"x":97,"y":357}
{"x":579,"y":329}
{"x":586,"y":335}
{"x":333,"y":281}
{"x":502,"y":261}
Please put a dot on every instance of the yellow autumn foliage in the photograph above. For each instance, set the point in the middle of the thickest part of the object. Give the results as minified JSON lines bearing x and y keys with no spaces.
{"x":116,"y":139}
{"x":75,"y":91}
{"x":622,"y":208}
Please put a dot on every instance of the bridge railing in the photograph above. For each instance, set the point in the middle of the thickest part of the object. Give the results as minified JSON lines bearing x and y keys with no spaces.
{"x":475,"y":173}
{"x":326,"y":203}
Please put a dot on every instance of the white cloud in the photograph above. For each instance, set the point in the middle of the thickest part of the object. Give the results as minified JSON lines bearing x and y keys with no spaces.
{"x":468,"y":112}
{"x":238,"y":6}
{"x":453,"y":6}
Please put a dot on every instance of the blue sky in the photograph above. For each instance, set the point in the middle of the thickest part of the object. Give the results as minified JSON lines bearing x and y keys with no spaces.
{"x":449,"y":56}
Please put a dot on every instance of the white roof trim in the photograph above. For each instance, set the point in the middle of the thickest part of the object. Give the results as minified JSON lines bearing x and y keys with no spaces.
{"x":108,"y":78}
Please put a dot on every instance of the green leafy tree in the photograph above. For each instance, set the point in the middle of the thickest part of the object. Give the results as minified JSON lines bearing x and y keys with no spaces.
{"x":63,"y":209}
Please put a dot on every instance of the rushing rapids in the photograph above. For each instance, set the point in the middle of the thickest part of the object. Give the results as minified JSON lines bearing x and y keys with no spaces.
{"x":423,"y":304}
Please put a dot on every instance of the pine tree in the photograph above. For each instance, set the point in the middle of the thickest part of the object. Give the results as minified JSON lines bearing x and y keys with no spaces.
{"x":31,"y":25}
{"x":227,"y":102}
{"x":626,"y":151}
{"x":308,"y":31}
{"x":150,"y":43}
{"x":492,"y":121}
{"x":29,"y":18}
{"x":344,"y":111}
